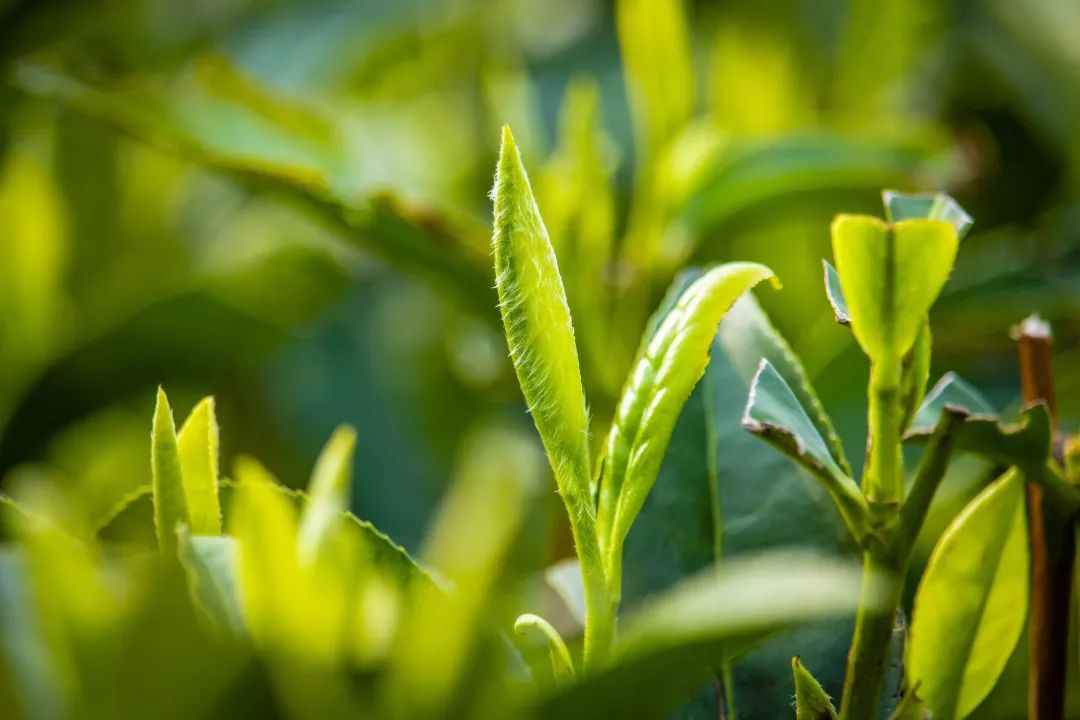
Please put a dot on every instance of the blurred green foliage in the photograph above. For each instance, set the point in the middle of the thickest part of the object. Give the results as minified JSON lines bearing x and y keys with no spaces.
{"x":283,"y":204}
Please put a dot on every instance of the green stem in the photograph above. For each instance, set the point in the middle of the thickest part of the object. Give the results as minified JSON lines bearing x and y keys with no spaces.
{"x":600,"y":606}
{"x":883,"y":581}
{"x":884,"y":478}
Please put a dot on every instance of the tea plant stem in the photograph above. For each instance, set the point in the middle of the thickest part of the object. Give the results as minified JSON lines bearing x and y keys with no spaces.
{"x":932,"y":467}
{"x":600,"y":606}
{"x":884,"y":479}
{"x":1052,"y":549}
{"x":883,"y":581}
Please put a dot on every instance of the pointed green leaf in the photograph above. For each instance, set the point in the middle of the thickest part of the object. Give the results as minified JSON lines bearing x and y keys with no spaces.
{"x":329,"y":492}
{"x":1026,"y":443}
{"x":927,"y":206}
{"x":835,"y":294}
{"x":971,"y":604}
{"x":890,"y":275}
{"x":811,"y":700}
{"x":673,"y":642}
{"x":709,"y":503}
{"x":170,"y":505}
{"x":672,"y":362}
{"x":210,"y":563}
{"x":198,"y":445}
{"x":774,"y":414}
{"x":538,"y":328}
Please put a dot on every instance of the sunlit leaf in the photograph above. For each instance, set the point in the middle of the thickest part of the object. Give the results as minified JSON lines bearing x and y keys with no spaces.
{"x":539,"y":330}
{"x":811,"y":700}
{"x":655,"y":45}
{"x":709,"y":504}
{"x":970,"y":609}
{"x":170,"y":504}
{"x":670,"y":364}
{"x":198,"y":445}
{"x":890,"y":275}
{"x":329,"y":492}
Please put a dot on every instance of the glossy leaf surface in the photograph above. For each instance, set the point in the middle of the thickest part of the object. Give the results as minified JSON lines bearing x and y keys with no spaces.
{"x":971,"y":606}
{"x":198,"y":445}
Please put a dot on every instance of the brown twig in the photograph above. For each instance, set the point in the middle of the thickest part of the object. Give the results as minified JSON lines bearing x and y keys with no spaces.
{"x":1052,"y":550}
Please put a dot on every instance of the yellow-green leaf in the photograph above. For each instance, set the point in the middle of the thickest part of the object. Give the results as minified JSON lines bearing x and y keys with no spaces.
{"x":890,"y":275}
{"x":538,"y":328}
{"x":170,"y":504}
{"x":670,"y":364}
{"x":971,"y":605}
{"x":328,"y":492}
{"x":198,"y":446}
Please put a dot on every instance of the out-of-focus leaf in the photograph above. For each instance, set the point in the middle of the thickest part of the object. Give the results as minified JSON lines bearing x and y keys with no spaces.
{"x":891,"y":275}
{"x":468,"y":546}
{"x":933,"y":206}
{"x":564,"y":577}
{"x":270,"y":582}
{"x":197,"y":442}
{"x":281,"y":147}
{"x":709,"y":501}
{"x":329,"y":492}
{"x":670,"y":645}
{"x":210,"y":563}
{"x":811,"y":700}
{"x":669,"y":365}
{"x":170,"y":504}
{"x":774,"y":414}
{"x":969,"y":609}
{"x":750,"y":175}
{"x":657,"y":64}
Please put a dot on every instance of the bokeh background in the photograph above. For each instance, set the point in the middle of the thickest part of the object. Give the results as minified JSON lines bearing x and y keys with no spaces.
{"x":284,"y":204}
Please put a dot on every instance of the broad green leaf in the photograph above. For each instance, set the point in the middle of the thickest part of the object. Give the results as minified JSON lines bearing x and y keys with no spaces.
{"x":272,"y":145}
{"x":198,"y":445}
{"x":835,"y":294}
{"x":928,"y":206}
{"x":890,"y":275}
{"x":811,"y":700}
{"x":170,"y":505}
{"x":670,"y":644}
{"x":971,"y":604}
{"x":657,"y":64}
{"x":671,"y":363}
{"x":951,"y":389}
{"x":705,"y":504}
{"x":539,"y":330}
{"x":329,"y":492}
{"x":210,"y":563}
{"x":774,"y":414}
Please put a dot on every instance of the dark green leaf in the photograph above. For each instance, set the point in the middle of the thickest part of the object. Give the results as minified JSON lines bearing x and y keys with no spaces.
{"x":953,"y":390}
{"x":835,"y":294}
